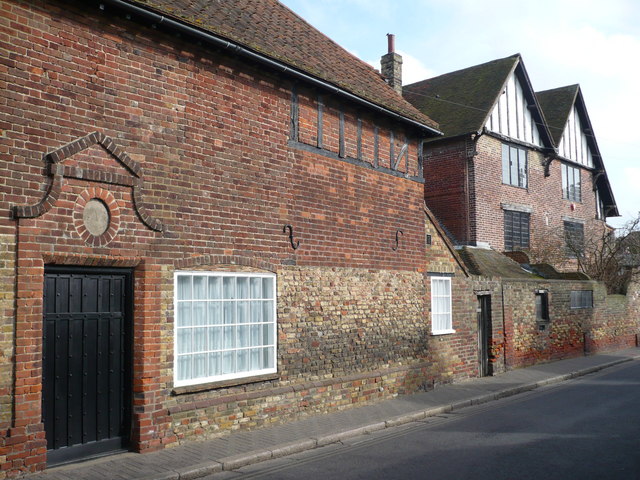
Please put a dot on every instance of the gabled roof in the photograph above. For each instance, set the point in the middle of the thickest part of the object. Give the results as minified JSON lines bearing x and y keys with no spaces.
{"x":557,"y":105}
{"x":462,"y":101}
{"x":270,"y":29}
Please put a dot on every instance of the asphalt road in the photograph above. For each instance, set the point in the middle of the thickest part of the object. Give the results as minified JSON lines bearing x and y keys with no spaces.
{"x":587,"y":428}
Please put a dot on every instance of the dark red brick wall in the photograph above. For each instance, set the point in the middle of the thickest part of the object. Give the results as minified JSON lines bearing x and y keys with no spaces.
{"x":446,"y":192}
{"x":193,"y":159}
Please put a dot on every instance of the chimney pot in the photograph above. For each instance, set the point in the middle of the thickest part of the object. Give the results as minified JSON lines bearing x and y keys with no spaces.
{"x":391,"y":43}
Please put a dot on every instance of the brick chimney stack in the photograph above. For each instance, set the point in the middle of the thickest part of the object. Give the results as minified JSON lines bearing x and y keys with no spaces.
{"x":391,"y":65}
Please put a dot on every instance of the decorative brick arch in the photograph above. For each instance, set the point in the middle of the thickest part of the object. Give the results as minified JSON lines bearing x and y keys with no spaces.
{"x":59,"y":172}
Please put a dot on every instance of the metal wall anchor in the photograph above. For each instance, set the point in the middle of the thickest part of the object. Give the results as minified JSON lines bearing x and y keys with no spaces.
{"x":398,"y":233}
{"x":294,"y":245}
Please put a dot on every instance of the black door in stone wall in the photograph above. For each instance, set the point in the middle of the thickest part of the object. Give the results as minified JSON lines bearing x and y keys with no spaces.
{"x":484,"y":330}
{"x":86,"y":381}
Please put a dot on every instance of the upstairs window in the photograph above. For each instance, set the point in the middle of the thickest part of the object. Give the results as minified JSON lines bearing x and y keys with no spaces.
{"x":516,"y":230}
{"x":514,"y":166}
{"x":574,"y":238}
{"x":581,"y":299}
{"x":225,"y":326}
{"x":571,"y":186}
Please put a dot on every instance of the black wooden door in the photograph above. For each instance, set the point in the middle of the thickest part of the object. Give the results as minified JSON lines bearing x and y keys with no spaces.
{"x":86,"y":362}
{"x":484,"y":329}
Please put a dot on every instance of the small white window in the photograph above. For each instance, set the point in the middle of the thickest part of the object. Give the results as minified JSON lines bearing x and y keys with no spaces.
{"x":441,"y":322}
{"x":225,"y":326}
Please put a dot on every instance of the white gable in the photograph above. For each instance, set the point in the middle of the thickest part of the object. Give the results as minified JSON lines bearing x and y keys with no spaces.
{"x":573,"y":144}
{"x":511,"y":116}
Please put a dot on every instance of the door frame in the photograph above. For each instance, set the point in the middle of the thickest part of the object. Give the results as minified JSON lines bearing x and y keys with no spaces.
{"x":484,"y":334}
{"x":110,"y":446}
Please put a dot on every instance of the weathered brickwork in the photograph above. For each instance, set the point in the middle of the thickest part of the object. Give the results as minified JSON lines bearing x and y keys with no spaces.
{"x":194,"y":156}
{"x":465,"y":191}
{"x":518,"y":339}
{"x":7,"y":315}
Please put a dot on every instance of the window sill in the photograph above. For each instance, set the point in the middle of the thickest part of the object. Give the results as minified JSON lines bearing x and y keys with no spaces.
{"x":202,"y":387}
{"x":443,"y":332}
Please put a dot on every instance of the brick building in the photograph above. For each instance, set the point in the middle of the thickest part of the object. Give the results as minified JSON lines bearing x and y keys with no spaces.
{"x":515,"y":170}
{"x":212,"y":219}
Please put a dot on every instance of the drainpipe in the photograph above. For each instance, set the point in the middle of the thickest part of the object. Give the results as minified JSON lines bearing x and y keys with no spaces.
{"x":211,"y":39}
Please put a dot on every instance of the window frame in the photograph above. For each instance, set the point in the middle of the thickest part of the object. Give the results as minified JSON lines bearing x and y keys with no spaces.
{"x":518,"y":167}
{"x":511,"y":246}
{"x":571,"y":189}
{"x":220,"y":325}
{"x":447,"y":328}
{"x":570,"y":230}
{"x":578,"y":299}
{"x":542,"y":306}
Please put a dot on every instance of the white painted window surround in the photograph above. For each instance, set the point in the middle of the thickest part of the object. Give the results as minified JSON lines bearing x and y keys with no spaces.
{"x":225,"y":326}
{"x":441,"y":318}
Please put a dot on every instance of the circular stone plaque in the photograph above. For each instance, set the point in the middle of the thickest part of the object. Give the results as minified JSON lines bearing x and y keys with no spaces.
{"x":95,"y":217}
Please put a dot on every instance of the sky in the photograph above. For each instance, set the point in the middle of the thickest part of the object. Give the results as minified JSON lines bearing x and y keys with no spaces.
{"x":594,"y":43}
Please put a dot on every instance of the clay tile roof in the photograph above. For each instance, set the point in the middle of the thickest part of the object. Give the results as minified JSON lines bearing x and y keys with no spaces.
{"x":271,"y":29}
{"x":461,"y":101}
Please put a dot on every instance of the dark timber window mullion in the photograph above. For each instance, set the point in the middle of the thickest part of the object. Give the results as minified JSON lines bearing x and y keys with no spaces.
{"x":319,"y":142}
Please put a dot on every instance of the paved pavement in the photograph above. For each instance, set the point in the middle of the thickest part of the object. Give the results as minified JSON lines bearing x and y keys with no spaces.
{"x":198,"y":459}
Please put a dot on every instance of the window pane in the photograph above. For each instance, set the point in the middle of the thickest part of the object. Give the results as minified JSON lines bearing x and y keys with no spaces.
{"x":256,"y":335}
{"x":200,"y":287}
{"x":199,"y":339}
{"x":229,"y":312}
{"x":255,"y":359}
{"x":267,"y":287}
{"x":199,"y":313}
{"x":215,"y":287}
{"x":268,"y":358}
{"x":215,"y":313}
{"x":215,"y":363}
{"x":184,"y":314}
{"x":513,"y":159}
{"x":267,"y":334}
{"x":243,"y":287}
{"x":256,"y":311}
{"x":243,"y":312}
{"x":505,"y":164}
{"x":184,"y":367}
{"x":184,"y":287}
{"x":256,"y":287}
{"x":243,"y":336}
{"x":184,"y":340}
{"x":199,"y":365}
{"x":229,"y":337}
{"x":229,"y":362}
{"x":242,"y":360}
{"x":267,"y":311}
{"x":522,"y":167}
{"x":215,"y":338}
{"x":229,"y":287}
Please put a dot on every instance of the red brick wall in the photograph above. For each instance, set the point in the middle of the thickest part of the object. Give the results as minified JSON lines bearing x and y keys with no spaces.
{"x":446,"y":192}
{"x":445,"y":187}
{"x":193,"y":159}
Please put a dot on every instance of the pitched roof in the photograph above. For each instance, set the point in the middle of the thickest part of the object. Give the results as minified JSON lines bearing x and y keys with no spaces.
{"x":272,"y":30}
{"x":461,"y":101}
{"x":557,"y":104}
